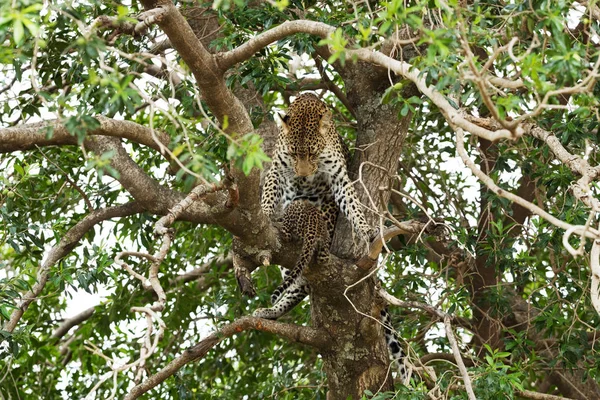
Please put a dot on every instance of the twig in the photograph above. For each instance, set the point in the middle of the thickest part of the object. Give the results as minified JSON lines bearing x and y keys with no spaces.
{"x":458,"y":357}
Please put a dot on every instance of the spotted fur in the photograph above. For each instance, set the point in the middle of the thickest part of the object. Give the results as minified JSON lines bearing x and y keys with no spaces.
{"x":309,"y":181}
{"x":310,"y":163}
{"x":393,"y":343}
{"x":303,"y":221}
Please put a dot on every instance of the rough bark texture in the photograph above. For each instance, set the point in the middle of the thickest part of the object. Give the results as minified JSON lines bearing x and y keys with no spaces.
{"x":357,"y":357}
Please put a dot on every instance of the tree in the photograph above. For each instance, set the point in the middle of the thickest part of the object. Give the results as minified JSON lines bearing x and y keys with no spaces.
{"x":133,"y":140}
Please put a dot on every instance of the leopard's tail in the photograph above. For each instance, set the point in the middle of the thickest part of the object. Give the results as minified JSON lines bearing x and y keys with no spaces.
{"x":393,"y":343}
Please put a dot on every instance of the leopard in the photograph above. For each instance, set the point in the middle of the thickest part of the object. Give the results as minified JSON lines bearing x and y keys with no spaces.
{"x":309,"y":179}
{"x":301,"y":220}
{"x":304,"y":221}
{"x":309,"y":162}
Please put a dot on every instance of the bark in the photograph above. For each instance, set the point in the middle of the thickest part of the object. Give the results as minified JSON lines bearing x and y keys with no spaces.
{"x":357,"y":357}
{"x":484,"y":276}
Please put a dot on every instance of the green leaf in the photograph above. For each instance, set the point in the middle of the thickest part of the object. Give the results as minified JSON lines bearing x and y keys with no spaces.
{"x":18,"y":31}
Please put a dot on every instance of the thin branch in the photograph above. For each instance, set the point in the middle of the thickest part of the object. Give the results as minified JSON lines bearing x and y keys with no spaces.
{"x":595,"y":275}
{"x":444,"y":357}
{"x":460,"y":148}
{"x":201,"y":270}
{"x":64,"y":247}
{"x":403,"y":228}
{"x":293,"y":333}
{"x":71,"y":322}
{"x":333,"y":87}
{"x":458,"y":357}
{"x":412,"y":304}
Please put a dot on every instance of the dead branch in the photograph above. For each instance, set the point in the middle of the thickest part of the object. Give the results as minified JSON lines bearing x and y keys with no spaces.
{"x":152,"y":312}
{"x":460,"y":147}
{"x":405,"y":228}
{"x":293,"y":333}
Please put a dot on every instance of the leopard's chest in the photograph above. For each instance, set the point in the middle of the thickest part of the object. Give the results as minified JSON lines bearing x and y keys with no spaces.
{"x":315,"y":188}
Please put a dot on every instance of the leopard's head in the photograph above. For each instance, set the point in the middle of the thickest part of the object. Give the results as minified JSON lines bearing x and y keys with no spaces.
{"x":304,"y":129}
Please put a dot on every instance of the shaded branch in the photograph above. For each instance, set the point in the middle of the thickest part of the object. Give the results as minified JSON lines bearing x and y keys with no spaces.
{"x":71,"y":322}
{"x":333,"y":87}
{"x":203,"y":269}
{"x":445,"y":357}
{"x":64,"y":247}
{"x":572,"y":381}
{"x":293,"y":333}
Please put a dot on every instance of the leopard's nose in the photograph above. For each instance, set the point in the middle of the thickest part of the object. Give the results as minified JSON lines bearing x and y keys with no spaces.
{"x":304,"y":168}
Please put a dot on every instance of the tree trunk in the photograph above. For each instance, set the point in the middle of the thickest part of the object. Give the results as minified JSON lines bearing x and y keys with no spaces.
{"x":358,"y":358}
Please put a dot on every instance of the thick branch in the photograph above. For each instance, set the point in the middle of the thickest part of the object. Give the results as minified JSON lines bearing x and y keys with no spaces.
{"x":66,"y":244}
{"x":293,"y":333}
{"x":228,"y":59}
{"x":222,"y":103}
{"x":134,"y":179}
{"x":404,"y":69}
{"x":528,"y":394}
{"x":29,"y":136}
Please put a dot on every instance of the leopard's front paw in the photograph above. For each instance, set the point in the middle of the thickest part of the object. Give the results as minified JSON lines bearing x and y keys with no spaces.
{"x":368,"y":234}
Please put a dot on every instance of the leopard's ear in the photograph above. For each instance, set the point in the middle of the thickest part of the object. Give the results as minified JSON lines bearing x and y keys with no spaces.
{"x":284,"y":118}
{"x":284,"y":122}
{"x":326,"y":122}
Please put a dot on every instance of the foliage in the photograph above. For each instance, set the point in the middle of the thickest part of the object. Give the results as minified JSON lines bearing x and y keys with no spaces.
{"x":54,"y":66}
